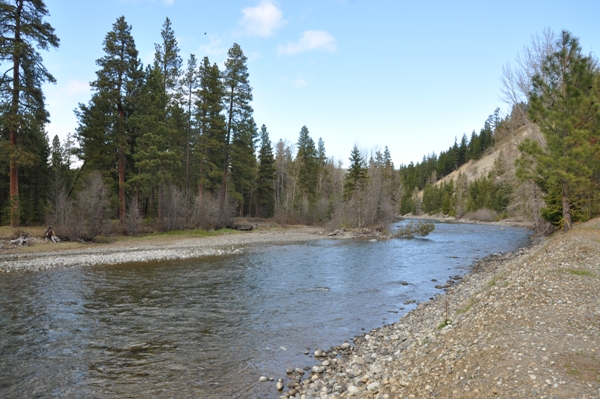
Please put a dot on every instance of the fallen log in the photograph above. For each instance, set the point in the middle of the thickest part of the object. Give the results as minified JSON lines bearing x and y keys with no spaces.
{"x":23,"y":239}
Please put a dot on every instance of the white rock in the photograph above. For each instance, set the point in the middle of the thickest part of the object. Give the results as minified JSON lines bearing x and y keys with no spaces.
{"x":353,"y":390}
{"x":263,"y":379}
{"x":373,"y":386}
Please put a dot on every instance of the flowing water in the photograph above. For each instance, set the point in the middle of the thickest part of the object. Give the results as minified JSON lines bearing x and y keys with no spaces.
{"x":208,"y":328}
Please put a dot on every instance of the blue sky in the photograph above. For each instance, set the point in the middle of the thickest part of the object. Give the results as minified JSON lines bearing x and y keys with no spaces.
{"x":411,"y":75}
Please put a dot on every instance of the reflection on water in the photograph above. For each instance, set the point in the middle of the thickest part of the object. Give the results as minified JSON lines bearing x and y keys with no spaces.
{"x":208,"y":328}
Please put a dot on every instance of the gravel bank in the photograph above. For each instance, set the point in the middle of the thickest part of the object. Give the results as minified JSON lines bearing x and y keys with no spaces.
{"x":524,"y":325}
{"x":143,"y":251}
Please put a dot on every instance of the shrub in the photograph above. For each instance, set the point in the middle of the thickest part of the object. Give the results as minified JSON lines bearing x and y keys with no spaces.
{"x":85,"y":217}
{"x":415,"y":230}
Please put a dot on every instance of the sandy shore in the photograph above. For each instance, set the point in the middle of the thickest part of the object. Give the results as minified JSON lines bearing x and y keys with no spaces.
{"x":524,"y":325}
{"x":43,"y":255}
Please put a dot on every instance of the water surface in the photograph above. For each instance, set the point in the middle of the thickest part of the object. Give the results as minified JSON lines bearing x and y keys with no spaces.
{"x":209,"y":327}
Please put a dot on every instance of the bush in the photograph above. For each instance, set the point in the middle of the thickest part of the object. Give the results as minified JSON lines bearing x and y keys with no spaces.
{"x":180,"y":212}
{"x":84,"y":218}
{"x":415,"y":230}
{"x":483,"y":215}
{"x":133,"y":219}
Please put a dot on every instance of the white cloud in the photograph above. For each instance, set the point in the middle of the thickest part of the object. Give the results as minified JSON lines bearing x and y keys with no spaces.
{"x":263,"y":19}
{"x":214,"y":48}
{"x":310,"y":40}
{"x":299,"y":82}
{"x":74,"y":88}
{"x":168,"y":2}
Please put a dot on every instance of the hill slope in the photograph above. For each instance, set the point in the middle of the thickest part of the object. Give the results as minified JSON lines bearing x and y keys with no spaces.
{"x":507,"y":147}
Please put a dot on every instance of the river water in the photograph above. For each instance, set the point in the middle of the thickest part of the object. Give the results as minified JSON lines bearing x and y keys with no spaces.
{"x":208,"y":328}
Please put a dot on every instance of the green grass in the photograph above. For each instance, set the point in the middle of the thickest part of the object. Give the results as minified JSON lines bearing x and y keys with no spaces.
{"x":579,"y":272}
{"x":472,"y":302}
{"x":445,"y":323}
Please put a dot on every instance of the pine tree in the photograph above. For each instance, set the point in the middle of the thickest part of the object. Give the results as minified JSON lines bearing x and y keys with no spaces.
{"x":564,"y":104}
{"x":243,"y":163}
{"x":308,"y":159}
{"x":238,"y":95}
{"x":357,"y":173}
{"x":189,"y":86}
{"x":210,"y":148}
{"x":154,"y":158}
{"x":167,"y":59}
{"x":103,"y":124}
{"x":22,"y":31}
{"x":474,"y":146}
{"x":265,"y":177}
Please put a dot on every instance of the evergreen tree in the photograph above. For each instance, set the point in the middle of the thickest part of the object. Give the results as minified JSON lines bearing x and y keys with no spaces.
{"x":167,"y":59}
{"x":357,"y":173}
{"x":308,"y":161}
{"x":60,"y":160}
{"x":243,"y":163}
{"x":564,"y":104}
{"x":474,"y":146}
{"x":212,"y":141}
{"x":238,"y":95}
{"x":463,"y":153}
{"x":153,"y":156}
{"x":265,"y":177}
{"x":103,"y":125}
{"x":22,"y":32}
{"x":189,"y":86}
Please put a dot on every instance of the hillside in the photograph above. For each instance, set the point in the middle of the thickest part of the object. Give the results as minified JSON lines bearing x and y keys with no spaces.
{"x":507,"y":146}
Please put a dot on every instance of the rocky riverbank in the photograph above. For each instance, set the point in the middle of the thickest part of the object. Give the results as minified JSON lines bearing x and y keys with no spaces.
{"x":524,"y":324}
{"x":50,"y":255}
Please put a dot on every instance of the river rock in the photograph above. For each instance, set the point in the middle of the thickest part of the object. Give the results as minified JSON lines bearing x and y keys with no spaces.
{"x":262,"y":378}
{"x":353,"y":390}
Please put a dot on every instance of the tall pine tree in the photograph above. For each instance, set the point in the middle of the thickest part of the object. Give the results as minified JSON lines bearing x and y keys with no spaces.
{"x":265,"y":177}
{"x":238,"y":95}
{"x":167,"y":59}
{"x":23,"y":31}
{"x":564,"y":103}
{"x":210,"y":148}
{"x":103,"y":125}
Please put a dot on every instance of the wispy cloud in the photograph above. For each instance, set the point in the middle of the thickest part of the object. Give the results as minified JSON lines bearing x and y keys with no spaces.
{"x":262,"y":20}
{"x":310,"y":40}
{"x":299,"y":83}
{"x":74,"y":88}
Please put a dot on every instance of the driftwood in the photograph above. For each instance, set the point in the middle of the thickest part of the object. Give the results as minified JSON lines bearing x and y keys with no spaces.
{"x":23,"y":239}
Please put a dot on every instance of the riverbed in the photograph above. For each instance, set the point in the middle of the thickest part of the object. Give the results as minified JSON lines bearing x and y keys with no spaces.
{"x":209,"y":327}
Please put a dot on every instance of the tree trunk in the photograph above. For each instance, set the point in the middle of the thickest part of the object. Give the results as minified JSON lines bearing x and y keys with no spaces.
{"x":13,"y":122}
{"x":566,"y":208}
{"x":14,"y":182}
{"x":122,"y":185}
{"x":225,"y":166}
{"x":187,"y":151}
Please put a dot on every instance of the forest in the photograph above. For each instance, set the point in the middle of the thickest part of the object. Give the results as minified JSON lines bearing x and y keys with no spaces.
{"x":174,"y":145}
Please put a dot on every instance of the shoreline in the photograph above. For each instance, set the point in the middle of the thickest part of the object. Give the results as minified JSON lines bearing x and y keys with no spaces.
{"x":150,"y":249}
{"x":524,"y":324}
{"x":164,"y":248}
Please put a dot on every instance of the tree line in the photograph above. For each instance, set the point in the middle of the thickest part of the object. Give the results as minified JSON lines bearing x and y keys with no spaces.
{"x":177,"y":144}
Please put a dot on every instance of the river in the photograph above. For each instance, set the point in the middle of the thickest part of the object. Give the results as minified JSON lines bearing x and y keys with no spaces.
{"x":209,"y":327}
